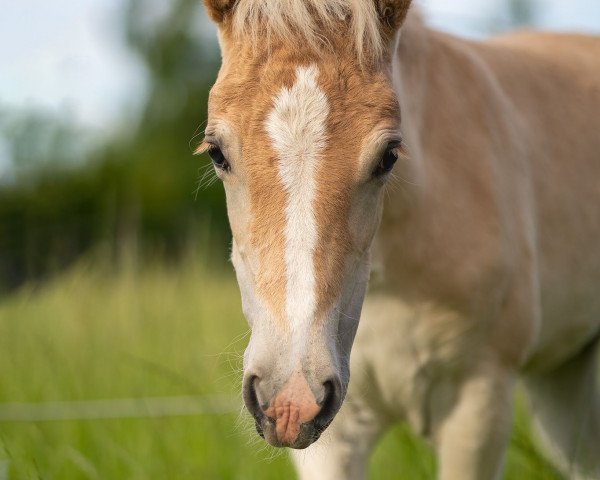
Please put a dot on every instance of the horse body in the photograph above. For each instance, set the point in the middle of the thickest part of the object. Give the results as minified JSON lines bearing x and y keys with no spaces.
{"x":485,"y":263}
{"x":561,"y":73}
{"x":507,"y":198}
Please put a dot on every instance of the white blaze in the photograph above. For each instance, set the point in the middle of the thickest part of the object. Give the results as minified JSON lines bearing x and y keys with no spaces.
{"x":297,"y":128}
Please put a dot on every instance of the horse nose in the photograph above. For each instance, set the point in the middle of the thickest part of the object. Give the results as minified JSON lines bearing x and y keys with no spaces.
{"x":294,"y":417}
{"x":291,"y":407}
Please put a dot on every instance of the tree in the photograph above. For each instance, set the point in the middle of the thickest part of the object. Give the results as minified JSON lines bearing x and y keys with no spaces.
{"x":134,"y":192}
{"x":521,"y":12}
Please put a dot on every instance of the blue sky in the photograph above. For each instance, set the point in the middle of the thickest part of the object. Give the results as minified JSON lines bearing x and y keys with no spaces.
{"x":67,"y":56}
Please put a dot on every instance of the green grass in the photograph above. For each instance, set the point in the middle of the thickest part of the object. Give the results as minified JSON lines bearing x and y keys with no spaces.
{"x":93,"y":334}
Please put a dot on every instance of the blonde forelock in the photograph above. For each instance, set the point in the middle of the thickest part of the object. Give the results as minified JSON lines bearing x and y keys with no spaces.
{"x":290,"y":19}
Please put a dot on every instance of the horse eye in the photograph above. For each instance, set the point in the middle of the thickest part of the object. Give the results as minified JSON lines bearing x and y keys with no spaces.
{"x":218,"y":158}
{"x":389,"y":159}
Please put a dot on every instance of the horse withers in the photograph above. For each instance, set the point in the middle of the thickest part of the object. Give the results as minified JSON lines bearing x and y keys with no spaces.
{"x":463,"y":177}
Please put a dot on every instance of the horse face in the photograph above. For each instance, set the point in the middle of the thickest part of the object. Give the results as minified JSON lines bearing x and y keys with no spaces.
{"x":304,"y":144}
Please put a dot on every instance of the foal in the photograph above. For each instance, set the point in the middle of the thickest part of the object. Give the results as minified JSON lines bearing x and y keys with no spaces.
{"x":484,"y":260}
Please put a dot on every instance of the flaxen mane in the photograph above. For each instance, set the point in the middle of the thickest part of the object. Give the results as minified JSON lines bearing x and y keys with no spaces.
{"x":306,"y":19}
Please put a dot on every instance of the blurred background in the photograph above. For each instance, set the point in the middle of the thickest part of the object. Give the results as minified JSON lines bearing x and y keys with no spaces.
{"x":120,"y":323}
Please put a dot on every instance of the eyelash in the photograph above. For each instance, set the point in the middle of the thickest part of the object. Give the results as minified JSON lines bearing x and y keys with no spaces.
{"x":218,"y":158}
{"x":388,"y":160}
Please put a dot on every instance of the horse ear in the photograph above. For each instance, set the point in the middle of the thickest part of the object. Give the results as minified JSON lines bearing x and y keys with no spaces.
{"x":218,"y":9}
{"x":392,"y":12}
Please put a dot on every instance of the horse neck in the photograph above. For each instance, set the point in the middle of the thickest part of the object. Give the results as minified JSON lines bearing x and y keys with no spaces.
{"x":417,"y":226}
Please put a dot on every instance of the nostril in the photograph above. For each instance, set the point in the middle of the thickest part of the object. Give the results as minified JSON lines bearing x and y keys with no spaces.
{"x":330,"y":404}
{"x":328,"y":389}
{"x":250,"y":398}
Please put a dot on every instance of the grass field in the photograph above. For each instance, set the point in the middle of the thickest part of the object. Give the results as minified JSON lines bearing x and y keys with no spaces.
{"x":93,"y":334}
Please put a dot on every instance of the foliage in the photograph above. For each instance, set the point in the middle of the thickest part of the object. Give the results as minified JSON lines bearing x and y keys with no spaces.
{"x":522,"y":12}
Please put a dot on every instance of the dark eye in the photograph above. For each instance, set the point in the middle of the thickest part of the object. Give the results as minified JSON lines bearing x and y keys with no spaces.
{"x":388,"y":160}
{"x":218,"y":158}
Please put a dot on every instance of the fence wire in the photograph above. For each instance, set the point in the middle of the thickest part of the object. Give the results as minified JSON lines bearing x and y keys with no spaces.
{"x":119,"y":409}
